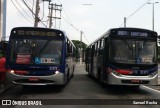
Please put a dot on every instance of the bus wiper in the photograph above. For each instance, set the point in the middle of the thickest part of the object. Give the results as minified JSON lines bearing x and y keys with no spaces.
{"x":44,"y":46}
{"x":130,"y":47}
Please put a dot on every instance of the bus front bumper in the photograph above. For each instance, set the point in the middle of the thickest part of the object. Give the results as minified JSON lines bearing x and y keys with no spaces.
{"x":114,"y":79}
{"x":56,"y":79}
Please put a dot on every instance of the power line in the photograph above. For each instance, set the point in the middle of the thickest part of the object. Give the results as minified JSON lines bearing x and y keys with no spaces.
{"x":29,"y":8}
{"x":76,"y":29}
{"x":136,"y":11}
{"x":65,"y":13}
{"x":20,"y":12}
{"x":23,"y":9}
{"x":42,"y":13}
{"x":85,"y":38}
{"x":69,"y":22}
{"x":33,"y":12}
{"x":67,"y":19}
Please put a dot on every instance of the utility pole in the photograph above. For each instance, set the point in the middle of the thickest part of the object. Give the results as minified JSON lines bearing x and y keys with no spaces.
{"x":153,"y":13}
{"x":51,"y":15}
{"x":56,"y":8}
{"x":125,"y":21}
{"x":36,"y":14}
{"x":0,"y":18}
{"x":81,"y":33}
{"x":3,"y":4}
{"x":81,"y":38}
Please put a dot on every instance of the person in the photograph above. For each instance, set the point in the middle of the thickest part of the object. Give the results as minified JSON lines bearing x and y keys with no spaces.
{"x":2,"y":67}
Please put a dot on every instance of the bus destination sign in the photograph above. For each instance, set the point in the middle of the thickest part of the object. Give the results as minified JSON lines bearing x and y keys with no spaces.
{"x":34,"y":33}
{"x":132,"y":33}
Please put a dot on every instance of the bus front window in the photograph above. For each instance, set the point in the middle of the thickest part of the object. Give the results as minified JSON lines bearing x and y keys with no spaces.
{"x":50,"y":52}
{"x":133,"y":51}
{"x":147,"y":51}
{"x":31,"y":51}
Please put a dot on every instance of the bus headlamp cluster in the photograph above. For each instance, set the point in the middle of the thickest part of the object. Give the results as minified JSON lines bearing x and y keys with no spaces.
{"x":56,"y":72}
{"x":153,"y":74}
{"x":18,"y":72}
{"x":12,"y":71}
{"x":114,"y":72}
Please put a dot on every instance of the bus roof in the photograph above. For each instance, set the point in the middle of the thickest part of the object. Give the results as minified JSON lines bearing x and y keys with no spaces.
{"x":31,"y":29}
{"x":40,"y":29}
{"x":127,"y":29}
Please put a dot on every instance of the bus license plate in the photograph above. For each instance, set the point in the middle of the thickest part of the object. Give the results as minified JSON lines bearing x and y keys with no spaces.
{"x":135,"y":81}
{"x":33,"y":79}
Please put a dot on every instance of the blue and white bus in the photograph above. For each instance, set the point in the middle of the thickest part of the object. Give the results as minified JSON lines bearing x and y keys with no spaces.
{"x":39,"y":56}
{"x":124,"y":56}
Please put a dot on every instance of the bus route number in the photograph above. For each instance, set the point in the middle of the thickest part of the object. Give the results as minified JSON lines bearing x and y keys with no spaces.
{"x":53,"y":68}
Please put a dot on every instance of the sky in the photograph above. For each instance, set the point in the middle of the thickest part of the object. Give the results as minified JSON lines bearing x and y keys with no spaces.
{"x":92,"y":17}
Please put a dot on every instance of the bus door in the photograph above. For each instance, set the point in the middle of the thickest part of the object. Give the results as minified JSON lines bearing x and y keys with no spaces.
{"x":92,"y":59}
{"x":106,"y":57}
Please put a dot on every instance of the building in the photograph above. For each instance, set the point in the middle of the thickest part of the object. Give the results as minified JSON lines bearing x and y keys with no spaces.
{"x":3,"y":20}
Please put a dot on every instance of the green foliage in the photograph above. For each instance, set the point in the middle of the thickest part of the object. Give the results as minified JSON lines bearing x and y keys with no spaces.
{"x":79,"y":44}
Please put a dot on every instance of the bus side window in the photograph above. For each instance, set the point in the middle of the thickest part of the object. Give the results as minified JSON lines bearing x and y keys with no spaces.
{"x":96,"y":48}
{"x":89,"y":55}
{"x":67,"y":50}
{"x":93,"y":50}
{"x":101,"y":47}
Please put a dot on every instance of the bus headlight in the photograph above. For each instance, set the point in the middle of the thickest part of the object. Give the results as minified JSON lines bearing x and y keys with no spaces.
{"x":12,"y":71}
{"x":116,"y":73}
{"x":153,"y":74}
{"x":57,"y":72}
{"x":109,"y":70}
{"x":18,"y":72}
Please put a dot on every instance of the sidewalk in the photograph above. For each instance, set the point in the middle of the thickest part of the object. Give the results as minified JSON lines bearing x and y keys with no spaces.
{"x":3,"y":83}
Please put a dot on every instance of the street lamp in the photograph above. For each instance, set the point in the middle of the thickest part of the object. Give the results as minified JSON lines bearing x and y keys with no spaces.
{"x":153,"y":13}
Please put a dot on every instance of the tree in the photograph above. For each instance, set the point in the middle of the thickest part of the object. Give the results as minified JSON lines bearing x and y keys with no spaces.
{"x":78,"y":44}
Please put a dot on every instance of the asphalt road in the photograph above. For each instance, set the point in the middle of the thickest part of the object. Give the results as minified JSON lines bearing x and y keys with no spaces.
{"x":83,"y":90}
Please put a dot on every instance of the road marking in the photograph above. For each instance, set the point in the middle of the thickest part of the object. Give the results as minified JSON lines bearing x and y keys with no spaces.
{"x":151,"y":89}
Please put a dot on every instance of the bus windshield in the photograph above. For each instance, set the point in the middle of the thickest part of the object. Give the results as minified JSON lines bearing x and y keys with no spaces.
{"x":36,"y":51}
{"x":133,"y":51}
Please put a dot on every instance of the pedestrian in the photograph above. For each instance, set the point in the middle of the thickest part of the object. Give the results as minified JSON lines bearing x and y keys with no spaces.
{"x":2,"y":68}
